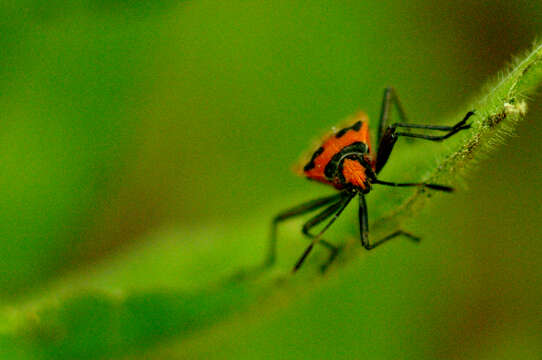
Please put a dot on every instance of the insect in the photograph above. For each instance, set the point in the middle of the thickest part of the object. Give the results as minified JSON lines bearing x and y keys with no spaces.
{"x":346,"y":161}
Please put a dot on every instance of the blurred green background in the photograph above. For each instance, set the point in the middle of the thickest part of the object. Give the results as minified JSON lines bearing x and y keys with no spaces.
{"x":121,"y":120}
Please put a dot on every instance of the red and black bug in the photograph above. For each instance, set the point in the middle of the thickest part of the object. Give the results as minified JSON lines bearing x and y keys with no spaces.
{"x":346,"y":161}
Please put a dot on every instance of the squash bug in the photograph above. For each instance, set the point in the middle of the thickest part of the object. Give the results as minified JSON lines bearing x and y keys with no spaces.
{"x":346,"y":161}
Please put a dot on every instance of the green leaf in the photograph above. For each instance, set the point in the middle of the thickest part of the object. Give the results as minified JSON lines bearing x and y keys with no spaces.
{"x":121,"y":306}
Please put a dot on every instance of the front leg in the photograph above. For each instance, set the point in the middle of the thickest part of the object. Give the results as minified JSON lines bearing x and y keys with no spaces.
{"x":388,"y":134}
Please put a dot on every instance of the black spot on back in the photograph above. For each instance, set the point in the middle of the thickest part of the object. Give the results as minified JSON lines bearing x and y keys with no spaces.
{"x":310,"y":164}
{"x":354,"y":127}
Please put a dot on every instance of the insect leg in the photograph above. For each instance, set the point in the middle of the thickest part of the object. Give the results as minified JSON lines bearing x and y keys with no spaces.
{"x":451,"y":130}
{"x":363,"y":222}
{"x":373,"y":179}
{"x":390,"y":97}
{"x":388,"y":134}
{"x":332,"y":248}
{"x":385,"y":137}
{"x":364,"y":228}
{"x":392,"y":236}
{"x":334,"y":210}
{"x":290,"y":213}
{"x":427,"y":185}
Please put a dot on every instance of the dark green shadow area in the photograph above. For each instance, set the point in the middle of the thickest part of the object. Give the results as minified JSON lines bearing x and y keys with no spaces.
{"x":70,"y":76}
{"x":96,"y":325}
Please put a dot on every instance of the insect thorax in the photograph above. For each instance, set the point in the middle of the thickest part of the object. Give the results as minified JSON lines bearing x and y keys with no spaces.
{"x":348,"y":167}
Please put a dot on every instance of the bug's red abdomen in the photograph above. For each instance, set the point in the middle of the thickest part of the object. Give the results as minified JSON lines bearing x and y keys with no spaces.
{"x":355,"y":134}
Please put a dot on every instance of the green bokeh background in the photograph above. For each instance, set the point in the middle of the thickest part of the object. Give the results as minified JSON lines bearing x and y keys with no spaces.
{"x":120,"y":119}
